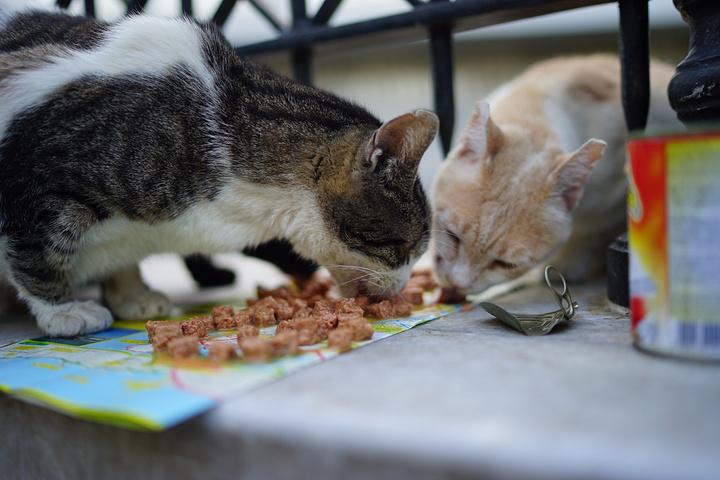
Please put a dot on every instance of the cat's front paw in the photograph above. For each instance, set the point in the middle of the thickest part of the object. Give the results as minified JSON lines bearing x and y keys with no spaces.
{"x":73,"y":318}
{"x":139,"y":305}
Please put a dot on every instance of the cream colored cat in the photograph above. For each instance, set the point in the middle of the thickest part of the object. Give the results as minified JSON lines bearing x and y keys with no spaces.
{"x":518,"y":190}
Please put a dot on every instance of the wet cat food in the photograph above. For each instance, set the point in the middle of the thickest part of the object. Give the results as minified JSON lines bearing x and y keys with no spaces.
{"x":220,"y":352}
{"x":340,"y":339}
{"x":304,"y":316}
{"x":194,"y":326}
{"x":163,"y":334}
{"x":184,"y":346}
{"x":224,"y":317}
{"x":257,"y":349}
{"x":246,"y":331}
{"x":152,"y":327}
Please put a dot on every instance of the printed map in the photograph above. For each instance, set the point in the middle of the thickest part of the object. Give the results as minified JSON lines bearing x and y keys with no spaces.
{"x":113,"y":377}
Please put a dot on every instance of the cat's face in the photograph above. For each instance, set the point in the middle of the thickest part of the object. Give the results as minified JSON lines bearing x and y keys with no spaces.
{"x":502,"y":202}
{"x":374,"y":206}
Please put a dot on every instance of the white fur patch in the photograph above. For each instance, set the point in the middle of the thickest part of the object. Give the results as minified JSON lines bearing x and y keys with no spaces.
{"x":244,"y":214}
{"x":139,"y":44}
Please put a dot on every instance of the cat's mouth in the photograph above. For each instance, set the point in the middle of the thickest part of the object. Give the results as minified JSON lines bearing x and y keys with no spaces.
{"x":354,"y":281}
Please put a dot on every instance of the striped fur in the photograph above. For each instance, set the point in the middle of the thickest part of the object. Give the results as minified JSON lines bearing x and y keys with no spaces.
{"x":150,"y":135}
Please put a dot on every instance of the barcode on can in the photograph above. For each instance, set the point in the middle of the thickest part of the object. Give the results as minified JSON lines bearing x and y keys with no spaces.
{"x":698,"y":334}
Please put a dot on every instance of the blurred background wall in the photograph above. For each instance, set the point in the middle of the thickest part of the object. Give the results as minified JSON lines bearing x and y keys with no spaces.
{"x":394,"y":78}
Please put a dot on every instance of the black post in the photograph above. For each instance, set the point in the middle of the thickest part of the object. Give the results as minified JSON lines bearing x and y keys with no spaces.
{"x":635,"y":67}
{"x":89,"y":8}
{"x":635,"y":62}
{"x":441,"y":52}
{"x":301,"y":55}
{"x":441,"y":55}
{"x":186,"y":7}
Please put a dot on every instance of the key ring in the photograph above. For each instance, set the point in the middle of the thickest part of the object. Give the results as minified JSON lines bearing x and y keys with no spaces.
{"x":563,"y":299}
{"x":538,"y":324}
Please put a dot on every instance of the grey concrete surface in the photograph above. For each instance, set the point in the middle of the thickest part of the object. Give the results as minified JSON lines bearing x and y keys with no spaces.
{"x":460,"y":397}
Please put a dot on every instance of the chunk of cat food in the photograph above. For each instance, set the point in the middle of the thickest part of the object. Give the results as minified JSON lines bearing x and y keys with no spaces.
{"x":326,"y":318}
{"x":243,"y":317}
{"x":264,"y":302}
{"x":341,"y":339}
{"x":280,"y":292}
{"x":257,"y":349}
{"x":324,"y":328}
{"x":165,"y":333}
{"x":361,"y":329}
{"x":307,"y":337}
{"x":222,"y":310}
{"x":362,"y":301}
{"x":303,"y":313}
{"x":264,"y":316}
{"x":246,"y":331}
{"x":193,"y":326}
{"x":297,"y":304}
{"x":283,"y":310}
{"x":402,"y":308}
{"x":311,"y":301}
{"x":306,"y":323}
{"x":184,"y":347}
{"x":285,"y":342}
{"x":412,"y":295}
{"x":313,"y":288}
{"x":220,"y":352}
{"x":224,"y":317}
{"x":348,"y":307}
{"x":323,"y":309}
{"x":208,"y":321}
{"x":153,"y":325}
{"x":285,"y":325}
{"x":381,"y":310}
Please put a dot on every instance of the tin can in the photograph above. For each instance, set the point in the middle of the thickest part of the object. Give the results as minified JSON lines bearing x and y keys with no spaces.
{"x":674,"y":243}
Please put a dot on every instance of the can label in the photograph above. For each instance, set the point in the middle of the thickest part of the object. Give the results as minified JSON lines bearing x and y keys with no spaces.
{"x":674,"y":241}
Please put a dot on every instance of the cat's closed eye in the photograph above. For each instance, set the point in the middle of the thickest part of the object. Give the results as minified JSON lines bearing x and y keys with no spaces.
{"x":500,"y":264}
{"x":453,"y":240}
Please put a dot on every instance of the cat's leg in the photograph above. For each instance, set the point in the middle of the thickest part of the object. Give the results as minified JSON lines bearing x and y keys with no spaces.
{"x":9,"y":301}
{"x":70,"y":318}
{"x":206,"y":274}
{"x":130,"y":299}
{"x":45,"y":287}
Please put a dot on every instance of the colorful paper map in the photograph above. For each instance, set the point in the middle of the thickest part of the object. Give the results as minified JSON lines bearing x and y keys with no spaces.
{"x":113,"y":377}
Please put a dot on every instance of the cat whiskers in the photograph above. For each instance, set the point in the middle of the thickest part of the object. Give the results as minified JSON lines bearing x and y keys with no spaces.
{"x":533,"y":261}
{"x":368,"y":273}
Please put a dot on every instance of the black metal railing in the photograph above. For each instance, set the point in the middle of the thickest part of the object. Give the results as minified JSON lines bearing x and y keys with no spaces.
{"x":433,"y":20}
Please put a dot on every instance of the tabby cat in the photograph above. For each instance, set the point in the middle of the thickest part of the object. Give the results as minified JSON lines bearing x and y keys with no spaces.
{"x":527,"y":185}
{"x":120,"y":140}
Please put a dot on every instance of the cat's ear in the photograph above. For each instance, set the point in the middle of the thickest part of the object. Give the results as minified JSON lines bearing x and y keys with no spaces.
{"x":571,"y":171}
{"x":481,"y":137}
{"x":397,"y":147}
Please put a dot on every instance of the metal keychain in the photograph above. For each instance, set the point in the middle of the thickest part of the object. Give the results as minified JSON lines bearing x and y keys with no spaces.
{"x":538,"y":324}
